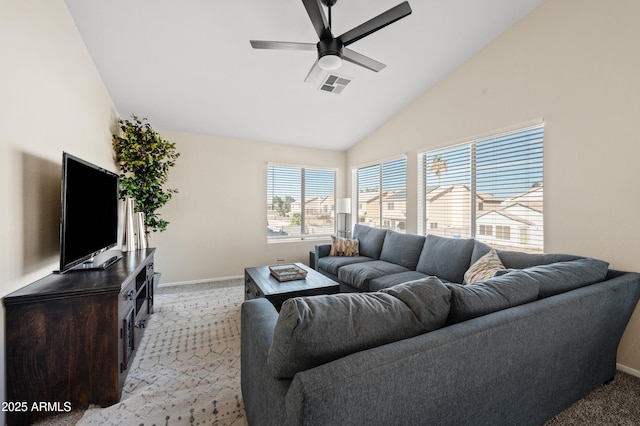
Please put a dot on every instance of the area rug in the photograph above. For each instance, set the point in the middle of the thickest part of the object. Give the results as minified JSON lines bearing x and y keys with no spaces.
{"x":187,"y":368}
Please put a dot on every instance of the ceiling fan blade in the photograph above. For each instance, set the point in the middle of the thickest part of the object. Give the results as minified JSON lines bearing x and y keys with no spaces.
{"x":318,"y":18}
{"x":281,"y":45}
{"x":363,"y":61}
{"x":374,"y":24}
{"x":314,"y":72}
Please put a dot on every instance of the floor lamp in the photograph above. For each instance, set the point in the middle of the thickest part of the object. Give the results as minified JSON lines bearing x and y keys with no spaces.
{"x":343,"y":210}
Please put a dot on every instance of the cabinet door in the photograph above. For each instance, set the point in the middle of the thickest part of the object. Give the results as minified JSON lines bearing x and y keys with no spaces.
{"x":61,"y":350}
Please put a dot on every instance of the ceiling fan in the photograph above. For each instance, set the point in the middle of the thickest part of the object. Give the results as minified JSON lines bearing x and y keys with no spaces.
{"x":333,"y":50}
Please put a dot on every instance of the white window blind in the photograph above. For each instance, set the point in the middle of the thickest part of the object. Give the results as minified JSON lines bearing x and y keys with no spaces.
{"x":382,"y":195}
{"x":300,"y":202}
{"x":489,"y":189}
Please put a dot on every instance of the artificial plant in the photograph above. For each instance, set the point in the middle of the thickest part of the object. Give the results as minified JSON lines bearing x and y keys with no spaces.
{"x":144,"y":158}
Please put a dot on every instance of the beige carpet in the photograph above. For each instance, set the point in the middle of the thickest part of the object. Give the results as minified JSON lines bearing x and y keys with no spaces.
{"x":187,"y":370}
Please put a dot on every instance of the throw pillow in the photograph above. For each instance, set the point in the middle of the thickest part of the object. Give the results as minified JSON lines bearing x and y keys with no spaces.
{"x":484,"y":268}
{"x":344,"y":247}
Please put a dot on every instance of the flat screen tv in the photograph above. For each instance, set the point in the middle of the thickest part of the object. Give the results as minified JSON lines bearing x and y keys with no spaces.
{"x":89,"y":222}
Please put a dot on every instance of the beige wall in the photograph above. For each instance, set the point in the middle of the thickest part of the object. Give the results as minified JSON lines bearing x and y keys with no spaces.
{"x":52,"y":99}
{"x":575,"y":64}
{"x":218,"y":224}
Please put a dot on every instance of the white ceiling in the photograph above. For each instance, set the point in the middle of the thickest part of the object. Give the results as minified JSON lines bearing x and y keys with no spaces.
{"x":188,"y":66}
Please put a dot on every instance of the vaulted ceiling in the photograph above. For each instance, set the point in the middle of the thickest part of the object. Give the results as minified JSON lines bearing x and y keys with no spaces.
{"x":188,"y":66}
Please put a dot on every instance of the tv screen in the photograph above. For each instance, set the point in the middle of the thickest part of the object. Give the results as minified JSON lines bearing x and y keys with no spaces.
{"x":89,"y":223}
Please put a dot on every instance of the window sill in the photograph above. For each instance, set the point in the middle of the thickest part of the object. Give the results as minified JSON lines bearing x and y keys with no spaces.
{"x":325,"y":238}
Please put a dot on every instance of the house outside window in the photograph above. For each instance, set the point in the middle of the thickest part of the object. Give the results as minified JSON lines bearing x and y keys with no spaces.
{"x":381,"y":191}
{"x":488,"y":184}
{"x":301,"y":202}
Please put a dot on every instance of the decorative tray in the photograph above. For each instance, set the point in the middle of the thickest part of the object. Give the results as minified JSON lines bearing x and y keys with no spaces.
{"x":287,"y":272}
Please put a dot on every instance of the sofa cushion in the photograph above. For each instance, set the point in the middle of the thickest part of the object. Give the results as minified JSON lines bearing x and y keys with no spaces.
{"x":332,"y":264}
{"x":559,"y":277}
{"x":484,"y":268}
{"x":358,"y":275}
{"x":371,"y":240}
{"x":501,"y":292}
{"x":387,"y":281}
{"x":344,"y":246}
{"x":312,"y":331}
{"x":446,"y":258}
{"x":402,"y":249}
{"x":518,"y":259}
{"x":428,"y":298}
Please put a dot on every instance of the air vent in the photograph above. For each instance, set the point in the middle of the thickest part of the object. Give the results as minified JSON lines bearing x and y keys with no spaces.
{"x":334,"y":83}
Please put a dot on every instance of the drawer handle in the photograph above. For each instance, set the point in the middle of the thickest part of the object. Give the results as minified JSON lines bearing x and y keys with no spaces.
{"x":131,"y":294}
{"x":141,"y":324}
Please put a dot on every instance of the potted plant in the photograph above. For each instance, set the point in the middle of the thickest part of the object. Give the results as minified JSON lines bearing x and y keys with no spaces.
{"x":144,"y":158}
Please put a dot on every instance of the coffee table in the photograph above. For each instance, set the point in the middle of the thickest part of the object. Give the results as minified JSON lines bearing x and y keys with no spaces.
{"x":258,"y":282}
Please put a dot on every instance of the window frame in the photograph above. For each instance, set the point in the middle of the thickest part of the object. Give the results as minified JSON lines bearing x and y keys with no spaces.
{"x":523,"y":144}
{"x":303,"y":184}
{"x":383,"y":204}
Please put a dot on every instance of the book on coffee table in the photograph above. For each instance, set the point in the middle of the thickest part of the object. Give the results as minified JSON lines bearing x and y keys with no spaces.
{"x":287,"y":272}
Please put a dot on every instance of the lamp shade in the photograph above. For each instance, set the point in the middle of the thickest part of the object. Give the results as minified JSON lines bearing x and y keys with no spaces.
{"x":344,"y":205}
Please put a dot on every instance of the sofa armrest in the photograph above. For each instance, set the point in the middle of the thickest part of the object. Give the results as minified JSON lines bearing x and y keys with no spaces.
{"x":322,"y":250}
{"x":261,"y":392}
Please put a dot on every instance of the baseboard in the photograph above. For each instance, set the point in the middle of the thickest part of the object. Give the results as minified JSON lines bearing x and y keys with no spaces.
{"x":628,"y":370}
{"x":208,"y":280}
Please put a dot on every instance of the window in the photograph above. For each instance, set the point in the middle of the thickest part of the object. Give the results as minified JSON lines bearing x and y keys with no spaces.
{"x":300,"y":202}
{"x":503,"y":232}
{"x":487,"y":185}
{"x":485,"y":229}
{"x":382,"y":194}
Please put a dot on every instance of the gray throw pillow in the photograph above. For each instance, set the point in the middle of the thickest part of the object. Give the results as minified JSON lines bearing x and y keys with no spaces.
{"x":312,"y":331}
{"x":492,"y":295}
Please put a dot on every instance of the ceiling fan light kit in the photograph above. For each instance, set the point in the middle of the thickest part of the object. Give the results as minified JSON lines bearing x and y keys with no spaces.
{"x":333,"y":50}
{"x":330,"y":54}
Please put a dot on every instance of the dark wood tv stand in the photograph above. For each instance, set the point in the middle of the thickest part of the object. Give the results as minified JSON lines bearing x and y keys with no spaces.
{"x":70,"y":338}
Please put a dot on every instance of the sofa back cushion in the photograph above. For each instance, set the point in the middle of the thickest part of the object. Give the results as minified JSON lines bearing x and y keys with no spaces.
{"x":402,"y":249}
{"x":492,"y":295}
{"x":370,"y":240}
{"x":559,"y":277}
{"x":446,"y":258}
{"x":428,"y":298}
{"x":520,"y":260}
{"x":312,"y":331}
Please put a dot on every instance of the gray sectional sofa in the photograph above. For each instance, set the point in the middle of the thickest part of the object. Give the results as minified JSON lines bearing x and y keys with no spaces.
{"x":409,"y":342}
